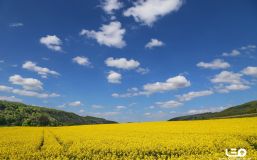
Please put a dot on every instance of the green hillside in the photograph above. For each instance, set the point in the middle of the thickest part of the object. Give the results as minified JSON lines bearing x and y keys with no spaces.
{"x":19,"y":114}
{"x":244,"y":110}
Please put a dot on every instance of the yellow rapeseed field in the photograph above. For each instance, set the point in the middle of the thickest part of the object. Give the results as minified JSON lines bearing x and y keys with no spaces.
{"x":204,"y":140}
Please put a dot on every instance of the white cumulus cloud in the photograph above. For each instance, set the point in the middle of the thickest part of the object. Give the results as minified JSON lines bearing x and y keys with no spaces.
{"x":215,"y":64}
{"x":147,"y":114}
{"x":169,"y":104}
{"x":170,"y":84}
{"x":183,"y":98}
{"x":149,"y":11}
{"x":229,"y":81}
{"x":26,"y":83}
{"x":81,"y":60}
{"x":249,"y":47}
{"x":130,"y":94}
{"x":250,"y":71}
{"x":51,"y":42}
{"x":82,"y":111}
{"x":114,"y":77}
{"x":106,"y":114}
{"x":27,"y":93}
{"x":95,"y":106}
{"x":233,"y":53}
{"x":234,"y":87}
{"x":120,"y":107}
{"x":109,"y":6}
{"x":227,"y":77}
{"x":10,"y":98}
{"x":142,"y":70}
{"x":5,"y":88}
{"x":191,"y":95}
{"x":110,"y":35}
{"x":122,"y":63}
{"x":154,"y":43}
{"x":205,"y":110}
{"x":43,"y":71}
{"x":16,"y":24}
{"x":75,"y":104}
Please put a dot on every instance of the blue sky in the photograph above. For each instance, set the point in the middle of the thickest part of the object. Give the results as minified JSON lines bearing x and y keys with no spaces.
{"x":142,"y":60}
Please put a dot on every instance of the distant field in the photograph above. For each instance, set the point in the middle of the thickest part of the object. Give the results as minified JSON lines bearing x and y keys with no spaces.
{"x":206,"y":139}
